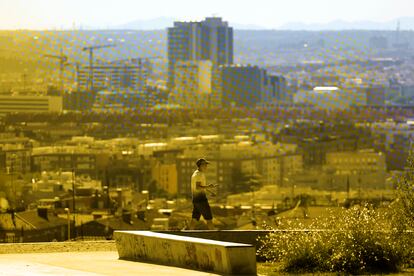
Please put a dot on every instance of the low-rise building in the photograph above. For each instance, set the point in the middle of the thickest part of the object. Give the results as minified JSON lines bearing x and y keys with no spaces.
{"x":39,"y":225}
{"x":68,"y":158}
{"x":331,"y":97}
{"x":29,"y":103}
{"x":15,"y":155}
{"x":357,"y":169}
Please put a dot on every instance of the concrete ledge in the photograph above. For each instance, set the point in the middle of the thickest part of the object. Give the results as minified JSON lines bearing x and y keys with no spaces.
{"x":239,"y":236}
{"x":188,"y":252}
{"x":252,"y":237}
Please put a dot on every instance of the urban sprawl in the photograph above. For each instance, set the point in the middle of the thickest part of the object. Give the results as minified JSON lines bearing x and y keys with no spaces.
{"x":100,"y":130}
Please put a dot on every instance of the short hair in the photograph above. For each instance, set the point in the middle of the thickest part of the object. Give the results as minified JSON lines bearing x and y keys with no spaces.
{"x":201,"y":161}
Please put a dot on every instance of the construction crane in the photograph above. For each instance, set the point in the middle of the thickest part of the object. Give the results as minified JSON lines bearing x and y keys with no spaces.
{"x":91,"y":49}
{"x":63,"y":61}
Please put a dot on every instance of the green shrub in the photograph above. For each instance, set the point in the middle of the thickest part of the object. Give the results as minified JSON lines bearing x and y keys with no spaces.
{"x":405,"y":192}
{"x":357,"y":240}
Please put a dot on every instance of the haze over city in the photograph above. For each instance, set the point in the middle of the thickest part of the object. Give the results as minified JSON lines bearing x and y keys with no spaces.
{"x":269,"y":14}
{"x":282,"y":131}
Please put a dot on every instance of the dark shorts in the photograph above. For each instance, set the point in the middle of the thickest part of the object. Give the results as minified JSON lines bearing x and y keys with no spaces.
{"x":202,"y":208}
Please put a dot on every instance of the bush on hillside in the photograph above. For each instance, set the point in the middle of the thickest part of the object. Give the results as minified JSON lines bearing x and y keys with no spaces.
{"x":405,"y":194}
{"x":358,"y":240}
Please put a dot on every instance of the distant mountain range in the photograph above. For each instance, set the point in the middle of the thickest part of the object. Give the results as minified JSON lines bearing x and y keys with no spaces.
{"x":406,"y":23}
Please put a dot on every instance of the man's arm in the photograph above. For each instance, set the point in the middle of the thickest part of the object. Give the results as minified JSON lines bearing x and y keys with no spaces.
{"x":211,"y":189}
{"x":199,"y":185}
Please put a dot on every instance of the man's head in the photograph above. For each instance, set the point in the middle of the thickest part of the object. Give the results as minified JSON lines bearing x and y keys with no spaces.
{"x":202,"y":164}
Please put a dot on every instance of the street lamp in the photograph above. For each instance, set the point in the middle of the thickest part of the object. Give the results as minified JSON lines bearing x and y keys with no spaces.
{"x":12,"y":186}
{"x":73,"y":199}
{"x":68,"y":212}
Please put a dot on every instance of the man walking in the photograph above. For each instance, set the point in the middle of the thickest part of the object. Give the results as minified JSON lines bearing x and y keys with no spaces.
{"x":200,"y":201}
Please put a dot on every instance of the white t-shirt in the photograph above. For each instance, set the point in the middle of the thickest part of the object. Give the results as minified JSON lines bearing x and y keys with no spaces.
{"x":198,"y":193}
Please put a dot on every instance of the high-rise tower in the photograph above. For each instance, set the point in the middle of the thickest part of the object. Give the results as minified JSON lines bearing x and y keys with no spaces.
{"x":211,"y":39}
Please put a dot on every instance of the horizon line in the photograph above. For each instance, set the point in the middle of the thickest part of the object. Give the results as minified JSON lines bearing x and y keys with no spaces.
{"x":165,"y":29}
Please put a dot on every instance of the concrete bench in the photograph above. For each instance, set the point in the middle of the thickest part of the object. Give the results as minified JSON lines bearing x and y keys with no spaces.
{"x":187,"y":252}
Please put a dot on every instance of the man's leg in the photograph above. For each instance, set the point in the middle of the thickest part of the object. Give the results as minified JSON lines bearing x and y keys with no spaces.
{"x":208,"y":216}
{"x":195,"y":216}
{"x":193,"y":224}
{"x":210,"y":225}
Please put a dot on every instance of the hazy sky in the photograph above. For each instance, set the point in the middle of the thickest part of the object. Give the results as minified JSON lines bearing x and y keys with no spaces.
{"x":41,"y":14}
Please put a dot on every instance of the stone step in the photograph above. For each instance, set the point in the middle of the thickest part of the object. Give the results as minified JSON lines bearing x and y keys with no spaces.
{"x":187,"y":252}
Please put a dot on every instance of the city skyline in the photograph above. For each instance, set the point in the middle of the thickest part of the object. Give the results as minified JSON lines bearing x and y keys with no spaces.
{"x":46,"y":14}
{"x":101,"y":130}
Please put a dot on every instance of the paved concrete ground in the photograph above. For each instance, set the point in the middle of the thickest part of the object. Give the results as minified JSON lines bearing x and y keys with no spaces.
{"x":82,"y":263}
{"x":52,"y":247}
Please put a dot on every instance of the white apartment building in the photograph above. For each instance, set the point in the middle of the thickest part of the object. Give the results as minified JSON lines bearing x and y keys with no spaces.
{"x":192,"y":84}
{"x":30,"y":103}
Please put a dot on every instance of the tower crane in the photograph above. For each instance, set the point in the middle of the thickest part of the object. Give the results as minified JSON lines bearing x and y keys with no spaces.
{"x":63,"y":61}
{"x":91,"y":49}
